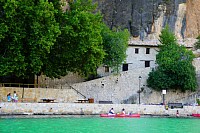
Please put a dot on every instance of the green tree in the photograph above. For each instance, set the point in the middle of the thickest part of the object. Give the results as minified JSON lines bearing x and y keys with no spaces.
{"x":28,"y":30}
{"x":40,"y":37}
{"x":115,"y":45}
{"x":79,"y":47}
{"x":175,"y":69}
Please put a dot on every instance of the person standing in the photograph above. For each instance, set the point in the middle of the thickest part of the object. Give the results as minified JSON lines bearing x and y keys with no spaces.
{"x":177,"y":113}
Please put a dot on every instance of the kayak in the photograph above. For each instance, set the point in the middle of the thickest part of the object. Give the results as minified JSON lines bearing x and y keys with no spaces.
{"x":121,"y":115}
{"x":196,"y":115}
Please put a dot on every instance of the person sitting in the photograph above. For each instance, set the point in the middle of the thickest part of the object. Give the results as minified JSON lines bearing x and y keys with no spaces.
{"x":111,"y":111}
{"x":9,"y":99}
{"x":123,"y":111}
{"x":15,"y":97}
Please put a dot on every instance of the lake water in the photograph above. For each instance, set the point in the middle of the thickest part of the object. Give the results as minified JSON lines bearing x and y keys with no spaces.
{"x":94,"y":124}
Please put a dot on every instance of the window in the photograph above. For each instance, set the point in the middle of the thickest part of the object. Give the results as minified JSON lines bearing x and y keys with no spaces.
{"x":125,"y":67}
{"x":106,"y":69}
{"x":147,"y":50}
{"x":136,"y":50}
{"x":147,"y":63}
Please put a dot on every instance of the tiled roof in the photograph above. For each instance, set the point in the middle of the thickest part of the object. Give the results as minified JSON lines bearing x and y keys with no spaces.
{"x":188,"y":42}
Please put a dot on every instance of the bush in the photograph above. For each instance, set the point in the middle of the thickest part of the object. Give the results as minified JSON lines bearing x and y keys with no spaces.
{"x":198,"y":101}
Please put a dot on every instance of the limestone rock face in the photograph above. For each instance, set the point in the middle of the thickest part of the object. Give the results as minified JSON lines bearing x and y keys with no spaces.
{"x":146,"y":18}
{"x":193,"y":18}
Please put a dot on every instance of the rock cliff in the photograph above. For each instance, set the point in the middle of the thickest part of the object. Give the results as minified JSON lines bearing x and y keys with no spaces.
{"x":193,"y":18}
{"x":146,"y":18}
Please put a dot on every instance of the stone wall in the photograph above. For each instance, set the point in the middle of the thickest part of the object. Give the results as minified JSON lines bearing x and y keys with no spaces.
{"x":36,"y":94}
{"x":117,"y":88}
{"x":121,"y":88}
{"x":90,"y":109}
{"x":138,"y":60}
{"x":46,"y":82}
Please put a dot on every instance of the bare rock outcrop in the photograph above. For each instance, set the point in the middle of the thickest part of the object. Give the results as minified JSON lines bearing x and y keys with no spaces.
{"x":192,"y":18}
{"x":145,"y":18}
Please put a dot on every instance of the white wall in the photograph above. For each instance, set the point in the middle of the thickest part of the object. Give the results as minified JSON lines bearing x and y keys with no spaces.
{"x":138,"y":60}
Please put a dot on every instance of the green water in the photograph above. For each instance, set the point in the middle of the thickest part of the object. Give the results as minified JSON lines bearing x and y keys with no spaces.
{"x":99,"y":125}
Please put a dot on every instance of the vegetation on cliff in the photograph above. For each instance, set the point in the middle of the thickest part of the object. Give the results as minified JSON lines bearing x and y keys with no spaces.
{"x":197,"y":44}
{"x":39,"y":37}
{"x":175,"y":69}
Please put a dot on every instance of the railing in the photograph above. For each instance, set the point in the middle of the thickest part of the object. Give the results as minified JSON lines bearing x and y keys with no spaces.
{"x":19,"y":85}
{"x":34,"y":86}
{"x":76,"y":90}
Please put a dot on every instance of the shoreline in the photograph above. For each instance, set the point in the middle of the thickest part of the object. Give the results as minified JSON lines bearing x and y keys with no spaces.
{"x":92,"y":109}
{"x":78,"y":116}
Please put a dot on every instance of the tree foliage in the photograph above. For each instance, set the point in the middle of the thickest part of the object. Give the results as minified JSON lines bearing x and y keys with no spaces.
{"x":115,"y":44}
{"x":85,"y":42}
{"x":40,"y":37}
{"x":79,"y":47}
{"x":28,"y":30}
{"x":175,"y":69}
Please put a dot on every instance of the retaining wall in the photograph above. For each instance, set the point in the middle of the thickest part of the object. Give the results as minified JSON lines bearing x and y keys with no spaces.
{"x":91,"y":109}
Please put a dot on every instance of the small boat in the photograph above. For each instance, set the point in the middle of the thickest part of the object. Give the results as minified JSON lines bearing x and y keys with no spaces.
{"x":196,"y":115}
{"x":121,"y":115}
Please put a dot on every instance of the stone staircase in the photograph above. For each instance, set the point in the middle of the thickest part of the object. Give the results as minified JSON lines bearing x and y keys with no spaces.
{"x":121,"y":88}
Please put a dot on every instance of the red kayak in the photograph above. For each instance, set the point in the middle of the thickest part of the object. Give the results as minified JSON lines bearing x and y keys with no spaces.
{"x":196,"y":115}
{"x":121,"y":115}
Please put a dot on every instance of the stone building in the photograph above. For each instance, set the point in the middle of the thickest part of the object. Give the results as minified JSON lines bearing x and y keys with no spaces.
{"x":142,"y":54}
